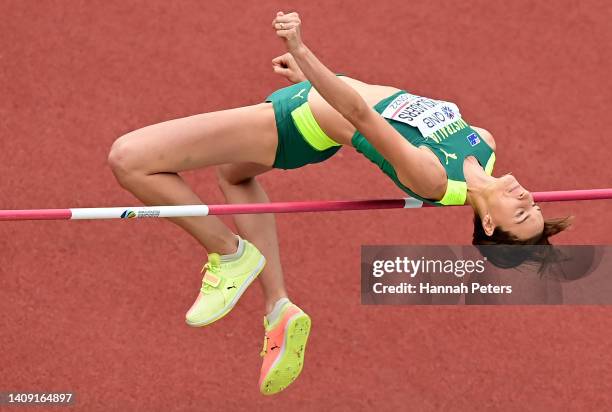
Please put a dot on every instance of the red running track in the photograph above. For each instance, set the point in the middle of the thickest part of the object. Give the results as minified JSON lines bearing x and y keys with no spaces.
{"x":97,"y":307}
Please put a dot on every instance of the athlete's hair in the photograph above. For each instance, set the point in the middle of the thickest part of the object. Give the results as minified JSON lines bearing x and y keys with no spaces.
{"x":505,"y":254}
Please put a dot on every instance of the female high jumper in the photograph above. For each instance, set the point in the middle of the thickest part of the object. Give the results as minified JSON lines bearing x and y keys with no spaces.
{"x":423,"y":145}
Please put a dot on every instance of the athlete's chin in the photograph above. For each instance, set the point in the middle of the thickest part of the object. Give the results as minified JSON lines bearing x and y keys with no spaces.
{"x":496,"y":188}
{"x":504,"y":185}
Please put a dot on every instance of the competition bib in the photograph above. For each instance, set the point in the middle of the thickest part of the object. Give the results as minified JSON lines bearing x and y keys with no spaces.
{"x":427,"y":115}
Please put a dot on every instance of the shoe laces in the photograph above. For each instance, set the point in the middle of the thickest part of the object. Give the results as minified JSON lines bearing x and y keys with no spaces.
{"x":213,"y":265}
{"x":264,"y":350}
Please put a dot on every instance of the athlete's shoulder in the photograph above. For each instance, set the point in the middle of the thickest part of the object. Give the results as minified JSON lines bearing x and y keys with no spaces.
{"x":486,"y":135}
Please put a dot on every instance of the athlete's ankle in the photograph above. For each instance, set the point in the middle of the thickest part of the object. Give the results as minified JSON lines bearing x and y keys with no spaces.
{"x":273,"y":314}
{"x":225,"y":247}
{"x":237,"y":251}
{"x":271,"y":302}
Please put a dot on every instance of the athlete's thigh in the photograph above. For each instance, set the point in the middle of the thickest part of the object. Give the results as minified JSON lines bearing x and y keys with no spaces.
{"x":245,"y":134}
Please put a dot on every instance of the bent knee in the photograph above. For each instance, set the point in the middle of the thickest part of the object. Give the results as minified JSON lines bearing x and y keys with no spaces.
{"x":124,"y":157}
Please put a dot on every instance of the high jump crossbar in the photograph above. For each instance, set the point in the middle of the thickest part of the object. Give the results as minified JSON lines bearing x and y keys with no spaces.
{"x":256,"y":208}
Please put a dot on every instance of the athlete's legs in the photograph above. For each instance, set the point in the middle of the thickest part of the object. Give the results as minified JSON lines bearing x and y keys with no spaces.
{"x":147,"y":161}
{"x":238,"y":183}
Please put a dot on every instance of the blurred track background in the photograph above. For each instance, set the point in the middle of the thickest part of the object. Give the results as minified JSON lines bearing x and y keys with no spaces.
{"x":98,"y":307}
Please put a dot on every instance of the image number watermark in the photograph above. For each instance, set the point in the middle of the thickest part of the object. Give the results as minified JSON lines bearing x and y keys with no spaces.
{"x":37,"y":398}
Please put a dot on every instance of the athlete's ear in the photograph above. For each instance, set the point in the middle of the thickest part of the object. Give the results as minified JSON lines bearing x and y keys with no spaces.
{"x":487,"y":224}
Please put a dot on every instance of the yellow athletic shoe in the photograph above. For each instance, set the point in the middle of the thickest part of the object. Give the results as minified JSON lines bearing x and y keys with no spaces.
{"x":224,"y":283}
{"x":283,"y":351}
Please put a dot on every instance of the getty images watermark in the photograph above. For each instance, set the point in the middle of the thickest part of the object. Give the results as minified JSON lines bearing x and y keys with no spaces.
{"x":421,"y":275}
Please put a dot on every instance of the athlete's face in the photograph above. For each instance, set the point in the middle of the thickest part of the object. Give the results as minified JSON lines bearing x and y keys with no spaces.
{"x":512,"y":209}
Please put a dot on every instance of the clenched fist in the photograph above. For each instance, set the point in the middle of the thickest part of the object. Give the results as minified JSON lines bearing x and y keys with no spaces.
{"x":287,"y":27}
{"x":286,"y":66}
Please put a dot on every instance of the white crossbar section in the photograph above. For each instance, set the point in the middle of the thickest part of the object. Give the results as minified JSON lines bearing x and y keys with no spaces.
{"x":412,"y":203}
{"x":139,"y":212}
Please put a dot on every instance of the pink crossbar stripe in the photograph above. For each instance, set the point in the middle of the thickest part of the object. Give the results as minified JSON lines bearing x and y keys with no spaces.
{"x":312,"y":206}
{"x":341,"y":205}
{"x":571,"y":195}
{"x":36,"y":214}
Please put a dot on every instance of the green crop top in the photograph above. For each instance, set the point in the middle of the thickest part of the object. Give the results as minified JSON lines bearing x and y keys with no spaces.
{"x":439,"y":126}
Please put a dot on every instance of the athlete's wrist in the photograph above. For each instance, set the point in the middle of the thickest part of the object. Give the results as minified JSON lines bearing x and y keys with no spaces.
{"x":299,"y":51}
{"x":299,"y":77}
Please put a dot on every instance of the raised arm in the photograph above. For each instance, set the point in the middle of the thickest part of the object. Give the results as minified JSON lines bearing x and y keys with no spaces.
{"x":408,"y":161}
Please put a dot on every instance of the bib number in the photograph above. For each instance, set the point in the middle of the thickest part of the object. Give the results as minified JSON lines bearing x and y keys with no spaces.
{"x":427,"y":115}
